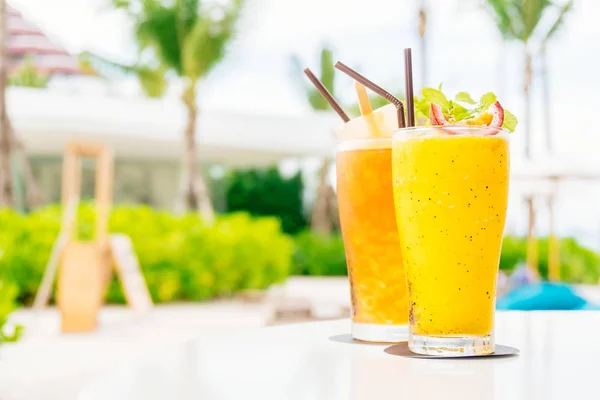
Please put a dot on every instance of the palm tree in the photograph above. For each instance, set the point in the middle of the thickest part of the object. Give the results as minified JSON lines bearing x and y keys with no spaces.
{"x":6,"y":194}
{"x":519,"y":20}
{"x":546,"y":107}
{"x":322,"y":218}
{"x":182,"y":40}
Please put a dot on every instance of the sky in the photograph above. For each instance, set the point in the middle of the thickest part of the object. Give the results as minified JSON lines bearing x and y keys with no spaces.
{"x":464,"y":51}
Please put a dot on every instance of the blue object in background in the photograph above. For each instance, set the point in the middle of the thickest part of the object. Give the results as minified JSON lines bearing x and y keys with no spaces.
{"x":543,"y":296}
{"x":588,"y":306}
{"x":523,"y":275}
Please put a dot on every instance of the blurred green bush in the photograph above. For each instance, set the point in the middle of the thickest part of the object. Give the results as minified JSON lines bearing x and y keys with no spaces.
{"x":8,"y":293}
{"x":578,"y":264}
{"x":266,"y":192}
{"x":318,"y":255}
{"x":181,"y":258}
{"x":184,"y":259}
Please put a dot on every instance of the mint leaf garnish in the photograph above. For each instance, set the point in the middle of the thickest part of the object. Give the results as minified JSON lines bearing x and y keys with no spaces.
{"x":461,"y":112}
{"x":422,"y":107}
{"x":432,"y":95}
{"x":510,"y":121}
{"x":464,"y":97}
{"x":454,"y":111}
{"x":486,"y":101}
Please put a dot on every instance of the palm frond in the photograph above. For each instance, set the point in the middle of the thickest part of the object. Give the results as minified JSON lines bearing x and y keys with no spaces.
{"x":123,"y":4}
{"x":194,"y":49}
{"x":107,"y":68}
{"x":502,"y":16}
{"x":157,"y":29}
{"x":327,"y":69}
{"x":326,"y":76}
{"x":153,"y":81}
{"x":558,"y":23}
{"x":206,"y":44}
{"x":532,"y":11}
{"x":187,"y":13}
{"x":177,"y":36}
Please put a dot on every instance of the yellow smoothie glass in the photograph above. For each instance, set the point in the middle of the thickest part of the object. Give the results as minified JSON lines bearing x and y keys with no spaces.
{"x":451,"y":191}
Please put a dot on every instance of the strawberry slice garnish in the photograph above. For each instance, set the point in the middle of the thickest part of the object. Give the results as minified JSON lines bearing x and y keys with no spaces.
{"x":493,"y":117}
{"x":436,"y":115}
{"x":497,"y":115}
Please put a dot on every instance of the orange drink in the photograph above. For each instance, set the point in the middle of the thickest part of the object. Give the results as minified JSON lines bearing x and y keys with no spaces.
{"x":373,"y":253}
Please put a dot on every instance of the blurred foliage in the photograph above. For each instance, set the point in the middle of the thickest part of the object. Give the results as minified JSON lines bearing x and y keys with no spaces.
{"x":578,"y":264}
{"x":8,"y":290}
{"x":181,"y":258}
{"x":183,"y":38}
{"x":266,"y":192}
{"x":184,"y":259}
{"x":326,"y":75}
{"x":29,"y":76}
{"x":327,"y":78}
{"x":8,"y":293}
{"x":178,"y":42}
{"x":521,"y":19}
{"x":321,"y":255}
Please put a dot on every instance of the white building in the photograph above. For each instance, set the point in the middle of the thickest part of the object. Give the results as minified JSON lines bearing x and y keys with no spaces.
{"x":146,"y":136}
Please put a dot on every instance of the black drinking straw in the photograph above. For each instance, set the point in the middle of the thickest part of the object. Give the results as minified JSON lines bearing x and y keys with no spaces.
{"x":408,"y":83}
{"x":325,"y":93}
{"x":377,"y":89}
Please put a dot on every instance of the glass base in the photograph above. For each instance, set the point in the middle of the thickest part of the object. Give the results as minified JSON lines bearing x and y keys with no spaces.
{"x":448,"y":346}
{"x":379,"y":333}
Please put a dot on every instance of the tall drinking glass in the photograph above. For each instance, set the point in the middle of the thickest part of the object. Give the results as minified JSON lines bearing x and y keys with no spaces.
{"x":366,"y":207}
{"x":451,"y":194}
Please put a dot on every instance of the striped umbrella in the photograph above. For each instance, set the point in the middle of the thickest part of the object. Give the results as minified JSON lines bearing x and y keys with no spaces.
{"x":27,"y":41}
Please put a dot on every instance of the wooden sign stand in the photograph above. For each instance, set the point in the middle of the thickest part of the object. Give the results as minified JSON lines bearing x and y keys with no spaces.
{"x":85,"y":267}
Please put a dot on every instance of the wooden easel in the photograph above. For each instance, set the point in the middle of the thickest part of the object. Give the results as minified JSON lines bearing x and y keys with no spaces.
{"x":86,"y":266}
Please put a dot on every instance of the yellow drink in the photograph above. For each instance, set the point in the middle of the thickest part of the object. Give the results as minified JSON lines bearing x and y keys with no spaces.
{"x":451,"y":194}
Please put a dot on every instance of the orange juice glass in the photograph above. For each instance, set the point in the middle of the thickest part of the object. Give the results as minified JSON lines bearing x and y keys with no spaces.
{"x":373,"y":252}
{"x":451,"y":194}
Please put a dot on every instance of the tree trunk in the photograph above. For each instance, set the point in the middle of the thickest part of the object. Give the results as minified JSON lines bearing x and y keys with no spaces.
{"x":34,"y":198}
{"x":6,"y":195}
{"x":334,"y":213}
{"x":321,"y":220}
{"x":532,"y":242}
{"x":196,"y":191}
{"x":527,"y":99}
{"x":553,"y":245}
{"x":546,"y":100}
{"x":423,"y":41}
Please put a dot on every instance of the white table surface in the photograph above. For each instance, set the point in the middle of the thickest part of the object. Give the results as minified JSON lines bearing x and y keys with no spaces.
{"x":560,"y":359}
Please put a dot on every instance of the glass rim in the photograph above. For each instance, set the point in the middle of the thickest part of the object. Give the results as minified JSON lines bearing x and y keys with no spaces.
{"x":461,"y":130}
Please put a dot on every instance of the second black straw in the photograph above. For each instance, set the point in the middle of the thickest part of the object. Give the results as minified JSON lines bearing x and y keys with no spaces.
{"x":408,"y":83}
